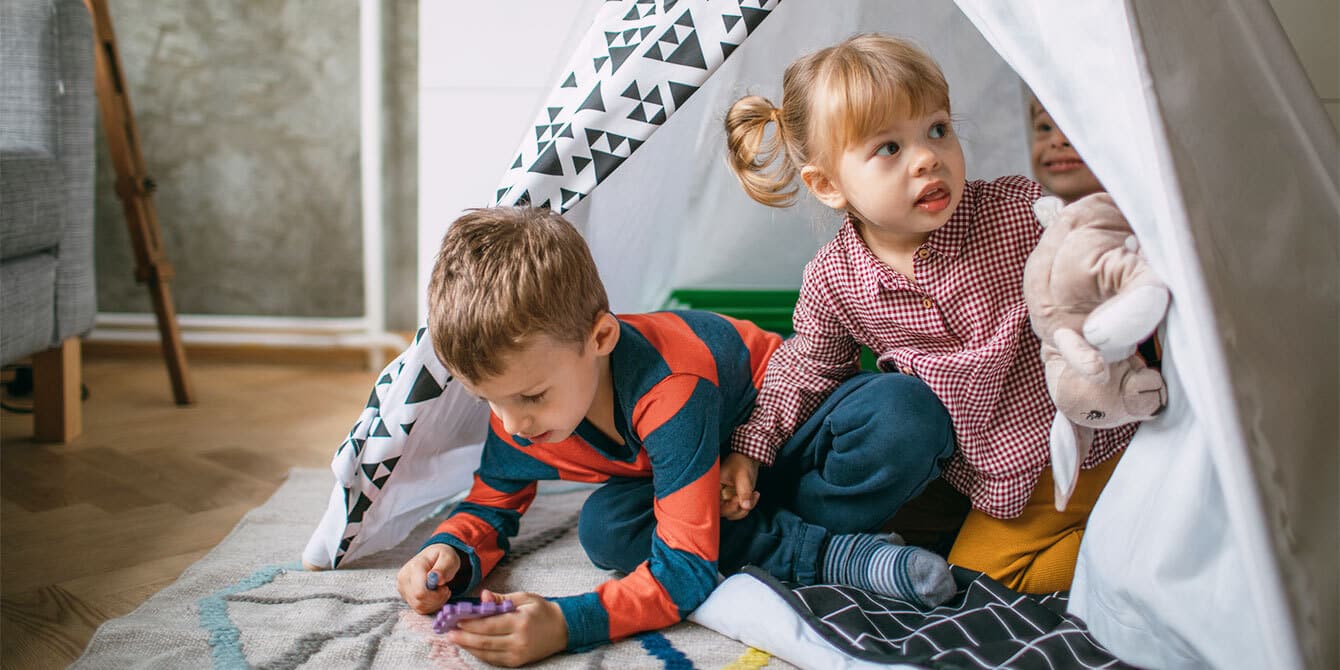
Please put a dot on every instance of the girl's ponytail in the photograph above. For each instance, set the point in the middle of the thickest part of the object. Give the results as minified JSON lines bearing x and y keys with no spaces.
{"x":759,"y":161}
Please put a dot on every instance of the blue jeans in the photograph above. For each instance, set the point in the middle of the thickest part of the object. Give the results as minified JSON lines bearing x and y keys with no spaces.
{"x":870,"y":447}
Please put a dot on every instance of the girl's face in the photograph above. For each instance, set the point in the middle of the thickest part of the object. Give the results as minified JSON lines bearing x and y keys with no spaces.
{"x":904,"y":181}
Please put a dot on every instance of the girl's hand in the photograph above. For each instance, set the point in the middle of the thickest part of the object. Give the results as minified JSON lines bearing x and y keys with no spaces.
{"x":738,"y":475}
{"x":435,"y":565}
{"x":534,"y":631}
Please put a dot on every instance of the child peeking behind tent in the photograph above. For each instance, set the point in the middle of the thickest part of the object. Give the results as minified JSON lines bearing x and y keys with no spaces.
{"x":1061,"y":171}
{"x":1056,"y":164}
{"x":927,"y":271}
{"x":644,"y":404}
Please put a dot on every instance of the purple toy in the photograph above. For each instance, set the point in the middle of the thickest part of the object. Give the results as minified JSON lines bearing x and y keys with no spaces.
{"x":455,"y":612}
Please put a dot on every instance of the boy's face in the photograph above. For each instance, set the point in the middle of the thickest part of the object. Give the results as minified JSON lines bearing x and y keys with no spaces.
{"x":905,"y":180}
{"x":1056,"y":164}
{"x":546,"y":387}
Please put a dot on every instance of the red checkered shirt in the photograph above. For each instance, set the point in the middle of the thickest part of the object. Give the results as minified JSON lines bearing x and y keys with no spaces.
{"x":962,"y":327}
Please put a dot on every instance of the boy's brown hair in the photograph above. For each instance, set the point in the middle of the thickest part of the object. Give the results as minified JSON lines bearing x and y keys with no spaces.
{"x":505,"y":274}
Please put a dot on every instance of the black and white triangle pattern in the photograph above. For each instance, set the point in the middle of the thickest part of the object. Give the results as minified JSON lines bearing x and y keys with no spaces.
{"x":637,"y":66}
{"x":364,"y":462}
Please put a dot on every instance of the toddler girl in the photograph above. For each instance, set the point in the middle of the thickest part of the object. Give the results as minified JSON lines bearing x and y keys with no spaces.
{"x":926,"y":270}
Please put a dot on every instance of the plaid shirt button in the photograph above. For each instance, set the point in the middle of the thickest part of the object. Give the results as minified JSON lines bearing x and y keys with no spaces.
{"x":980,"y":357}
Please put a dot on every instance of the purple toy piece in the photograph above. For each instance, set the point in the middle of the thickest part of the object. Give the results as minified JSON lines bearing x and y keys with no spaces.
{"x":452,"y":613}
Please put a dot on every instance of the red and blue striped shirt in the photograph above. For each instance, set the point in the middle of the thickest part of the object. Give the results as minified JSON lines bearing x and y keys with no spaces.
{"x":682,"y":382}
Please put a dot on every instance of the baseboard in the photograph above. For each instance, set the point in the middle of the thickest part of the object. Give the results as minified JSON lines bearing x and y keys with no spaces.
{"x":249,"y":339}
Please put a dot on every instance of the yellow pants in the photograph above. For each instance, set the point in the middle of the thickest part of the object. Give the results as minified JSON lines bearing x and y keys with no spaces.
{"x":1034,"y":552}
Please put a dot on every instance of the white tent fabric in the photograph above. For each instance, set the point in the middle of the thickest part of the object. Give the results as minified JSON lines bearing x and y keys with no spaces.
{"x":673,"y":216}
{"x":418,"y":431}
{"x":1214,"y":543}
{"x":1215,"y":540}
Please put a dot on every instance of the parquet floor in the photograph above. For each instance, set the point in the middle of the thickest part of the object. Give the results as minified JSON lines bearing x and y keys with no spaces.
{"x":91,"y":529}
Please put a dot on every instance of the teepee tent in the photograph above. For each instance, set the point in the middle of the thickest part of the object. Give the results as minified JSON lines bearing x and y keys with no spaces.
{"x":1213,"y":543}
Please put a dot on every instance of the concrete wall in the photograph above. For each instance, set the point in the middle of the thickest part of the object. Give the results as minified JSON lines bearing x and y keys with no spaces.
{"x":248,"y":115}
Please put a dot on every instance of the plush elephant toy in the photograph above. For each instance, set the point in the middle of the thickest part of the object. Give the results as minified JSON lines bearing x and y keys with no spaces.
{"x":1092,"y":298}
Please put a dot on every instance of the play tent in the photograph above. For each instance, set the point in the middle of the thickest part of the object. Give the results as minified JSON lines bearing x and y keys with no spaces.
{"x":1214,"y":542}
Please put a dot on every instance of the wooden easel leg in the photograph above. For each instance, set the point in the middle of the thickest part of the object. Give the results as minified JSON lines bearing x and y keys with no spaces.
{"x":174,"y":353}
{"x":135,"y":189}
{"x":57,"y":379}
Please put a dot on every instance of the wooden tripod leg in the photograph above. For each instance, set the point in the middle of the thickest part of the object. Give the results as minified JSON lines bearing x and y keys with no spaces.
{"x":174,"y":353}
{"x":135,"y":190}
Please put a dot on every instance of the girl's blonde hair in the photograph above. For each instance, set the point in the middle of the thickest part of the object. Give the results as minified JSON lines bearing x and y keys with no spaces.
{"x":831,"y":99}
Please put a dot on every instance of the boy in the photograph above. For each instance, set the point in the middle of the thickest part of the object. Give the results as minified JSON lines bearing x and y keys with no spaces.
{"x":645,"y":403}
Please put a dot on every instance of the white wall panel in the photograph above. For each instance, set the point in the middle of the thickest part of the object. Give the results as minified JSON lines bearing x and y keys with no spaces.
{"x":484,"y":70}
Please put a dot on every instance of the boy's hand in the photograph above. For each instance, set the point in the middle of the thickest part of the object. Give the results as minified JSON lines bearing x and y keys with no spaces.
{"x":738,"y":475}
{"x":534,"y":631}
{"x":438,"y":560}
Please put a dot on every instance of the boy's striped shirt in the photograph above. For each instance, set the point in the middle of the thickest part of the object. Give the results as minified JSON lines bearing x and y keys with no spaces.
{"x":682,"y":381}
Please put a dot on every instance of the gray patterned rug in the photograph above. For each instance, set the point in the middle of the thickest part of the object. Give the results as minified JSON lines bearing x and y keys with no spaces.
{"x":248,"y":604}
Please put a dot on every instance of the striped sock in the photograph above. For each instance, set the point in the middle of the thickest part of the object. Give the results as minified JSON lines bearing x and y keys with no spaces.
{"x":876,"y":563}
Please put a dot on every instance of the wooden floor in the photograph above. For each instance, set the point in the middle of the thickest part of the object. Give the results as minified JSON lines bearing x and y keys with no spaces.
{"x":91,"y":529}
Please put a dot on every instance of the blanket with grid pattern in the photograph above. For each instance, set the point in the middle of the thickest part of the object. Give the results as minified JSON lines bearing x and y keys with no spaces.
{"x":986,"y":625}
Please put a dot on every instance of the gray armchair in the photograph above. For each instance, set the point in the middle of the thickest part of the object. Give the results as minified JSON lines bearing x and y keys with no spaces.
{"x":47,"y":108}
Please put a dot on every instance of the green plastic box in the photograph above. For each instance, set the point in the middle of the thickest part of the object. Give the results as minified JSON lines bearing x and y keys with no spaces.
{"x":769,"y":309}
